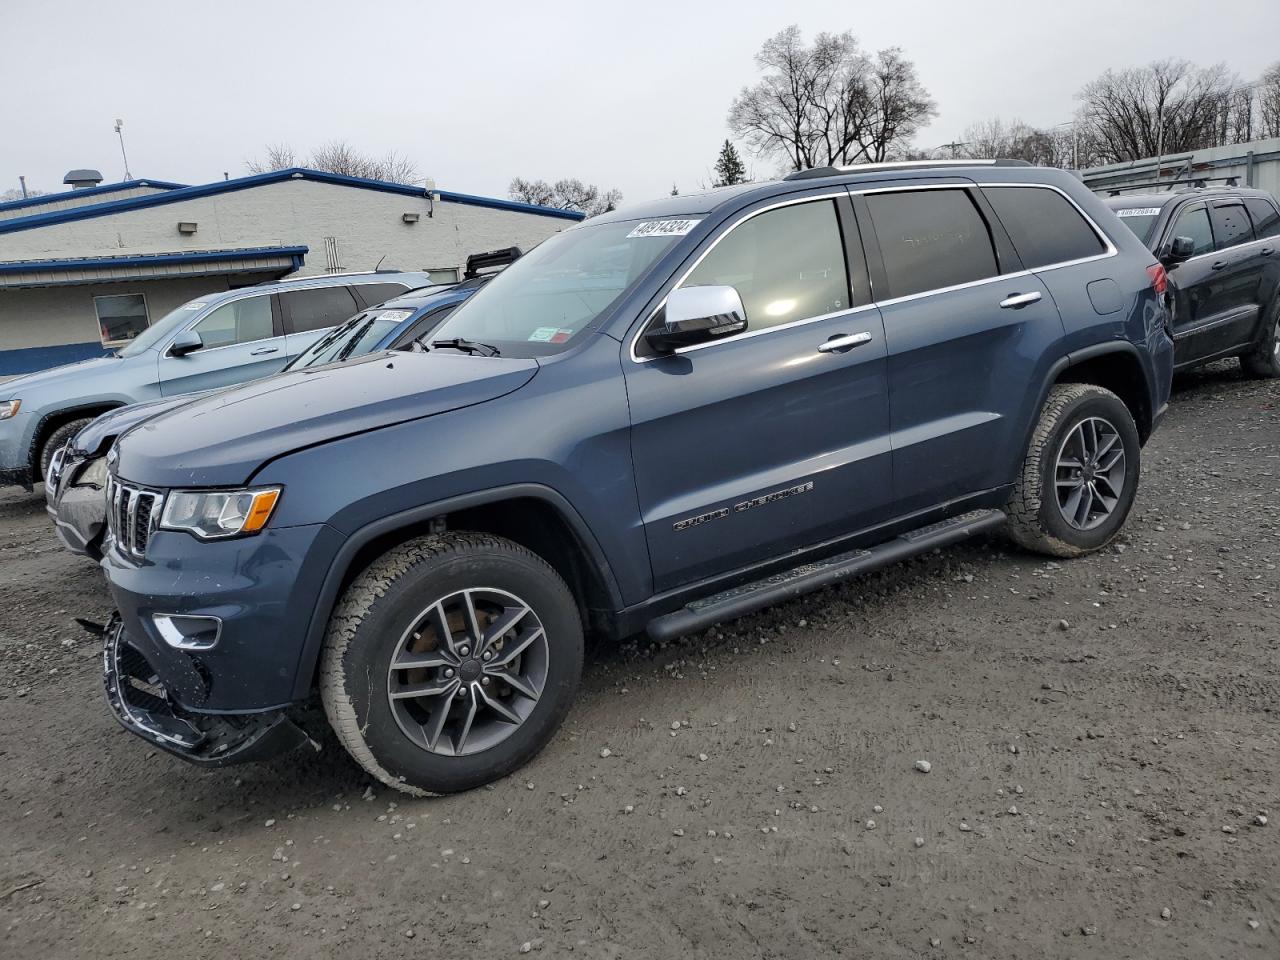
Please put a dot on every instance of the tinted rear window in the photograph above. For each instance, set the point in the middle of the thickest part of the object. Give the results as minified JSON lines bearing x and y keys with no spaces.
{"x":1044,"y":225}
{"x":931,"y":239}
{"x":317,"y":307}
{"x":375,"y":293}
{"x":1231,"y":226}
{"x":1266,"y":221}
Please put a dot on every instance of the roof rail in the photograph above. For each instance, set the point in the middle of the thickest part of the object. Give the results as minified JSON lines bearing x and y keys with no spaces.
{"x":1191,"y":183}
{"x":814,"y":172}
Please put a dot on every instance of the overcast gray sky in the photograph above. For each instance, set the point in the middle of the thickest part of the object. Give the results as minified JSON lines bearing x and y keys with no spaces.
{"x":632,"y":96}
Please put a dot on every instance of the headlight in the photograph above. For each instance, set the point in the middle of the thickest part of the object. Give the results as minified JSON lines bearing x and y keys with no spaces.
{"x":92,"y":474}
{"x":9,"y":408}
{"x":215,"y":514}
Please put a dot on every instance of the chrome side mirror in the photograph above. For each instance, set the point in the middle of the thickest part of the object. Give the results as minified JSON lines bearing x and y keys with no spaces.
{"x":697,"y":315}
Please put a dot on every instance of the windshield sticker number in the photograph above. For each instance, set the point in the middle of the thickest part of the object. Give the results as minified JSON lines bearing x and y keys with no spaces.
{"x":1139,"y":212}
{"x":194,"y":305}
{"x":663,"y":228}
{"x":550,"y":335}
{"x":395,"y":316}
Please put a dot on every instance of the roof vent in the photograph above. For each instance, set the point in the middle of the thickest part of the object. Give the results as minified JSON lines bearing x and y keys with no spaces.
{"x":80,"y":179}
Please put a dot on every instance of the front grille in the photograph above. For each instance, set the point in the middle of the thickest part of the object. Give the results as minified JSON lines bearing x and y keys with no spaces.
{"x":133,"y":513}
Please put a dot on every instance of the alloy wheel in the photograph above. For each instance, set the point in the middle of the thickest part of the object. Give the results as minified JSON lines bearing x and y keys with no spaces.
{"x":468,"y":671}
{"x":1089,"y":474}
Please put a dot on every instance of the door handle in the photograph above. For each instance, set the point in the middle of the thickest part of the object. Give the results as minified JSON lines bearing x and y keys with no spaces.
{"x":843,"y":341}
{"x":261,"y":351}
{"x":1218,"y":264}
{"x":1016,"y":301}
{"x":1267,"y":251}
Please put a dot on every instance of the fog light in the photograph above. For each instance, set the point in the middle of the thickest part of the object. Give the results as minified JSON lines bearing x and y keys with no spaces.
{"x":187,"y":633}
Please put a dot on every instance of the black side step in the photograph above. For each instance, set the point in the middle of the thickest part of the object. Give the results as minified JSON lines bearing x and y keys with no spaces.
{"x":750,"y":597}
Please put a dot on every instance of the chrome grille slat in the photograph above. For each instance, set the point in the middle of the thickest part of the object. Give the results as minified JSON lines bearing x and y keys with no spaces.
{"x":133,"y":515}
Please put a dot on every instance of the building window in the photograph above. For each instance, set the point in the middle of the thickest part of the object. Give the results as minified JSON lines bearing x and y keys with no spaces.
{"x":120,"y":318}
{"x":443,"y":274}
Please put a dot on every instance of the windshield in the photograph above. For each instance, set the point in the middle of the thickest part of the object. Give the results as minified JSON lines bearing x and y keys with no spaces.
{"x":356,"y":337}
{"x":162,"y":328}
{"x":1141,"y":220}
{"x":546,"y":298}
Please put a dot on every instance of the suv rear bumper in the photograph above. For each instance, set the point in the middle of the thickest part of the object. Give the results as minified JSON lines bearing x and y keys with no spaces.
{"x":261,"y":589}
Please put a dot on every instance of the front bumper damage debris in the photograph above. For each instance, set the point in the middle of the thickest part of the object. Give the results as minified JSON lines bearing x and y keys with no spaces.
{"x":141,"y":704}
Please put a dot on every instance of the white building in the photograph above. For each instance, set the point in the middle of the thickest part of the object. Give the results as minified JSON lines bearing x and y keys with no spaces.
{"x":88,"y":269}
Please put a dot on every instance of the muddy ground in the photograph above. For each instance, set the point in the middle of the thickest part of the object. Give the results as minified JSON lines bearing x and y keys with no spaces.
{"x":1103,"y":736}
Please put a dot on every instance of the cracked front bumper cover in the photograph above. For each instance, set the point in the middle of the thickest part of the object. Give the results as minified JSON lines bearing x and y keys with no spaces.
{"x":141,"y":704}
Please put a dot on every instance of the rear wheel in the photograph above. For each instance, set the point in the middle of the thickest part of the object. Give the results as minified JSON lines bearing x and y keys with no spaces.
{"x":450,"y":662}
{"x":1264,"y":360}
{"x":58,"y":439}
{"x":1080,"y":475}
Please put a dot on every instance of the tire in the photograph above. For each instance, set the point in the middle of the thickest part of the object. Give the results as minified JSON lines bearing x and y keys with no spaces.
{"x":1263,"y":361}
{"x":58,"y":439}
{"x":1038,"y":519}
{"x":389,"y":611}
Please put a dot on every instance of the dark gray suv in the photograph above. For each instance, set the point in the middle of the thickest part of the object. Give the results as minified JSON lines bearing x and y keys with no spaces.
{"x":661,"y":418}
{"x":1221,"y":248}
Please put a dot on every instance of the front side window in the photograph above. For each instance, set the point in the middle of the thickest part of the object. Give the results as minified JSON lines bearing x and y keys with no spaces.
{"x":1266,"y":220}
{"x":1194,"y":223}
{"x":787,"y":264}
{"x":930,"y":239}
{"x":544,"y":300}
{"x":240,"y":321}
{"x":120,"y":318}
{"x":317,"y":307}
{"x":1231,"y":226}
{"x":1044,"y":226}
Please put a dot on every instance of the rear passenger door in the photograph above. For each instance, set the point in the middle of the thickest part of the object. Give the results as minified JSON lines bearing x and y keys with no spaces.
{"x":965,"y":343}
{"x":308,"y":313}
{"x":243,"y":340}
{"x":1239,"y":265}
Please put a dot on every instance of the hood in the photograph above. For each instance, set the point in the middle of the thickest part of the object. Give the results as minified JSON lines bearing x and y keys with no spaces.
{"x":115,"y":422}
{"x":58,"y":379}
{"x":223,"y":438}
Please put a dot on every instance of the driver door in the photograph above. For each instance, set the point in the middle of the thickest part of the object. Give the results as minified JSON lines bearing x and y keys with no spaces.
{"x":243,"y":340}
{"x":751,"y":446}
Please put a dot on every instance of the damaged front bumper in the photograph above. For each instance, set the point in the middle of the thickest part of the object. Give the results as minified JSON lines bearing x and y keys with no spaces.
{"x":139,"y":700}
{"x":79,"y":513}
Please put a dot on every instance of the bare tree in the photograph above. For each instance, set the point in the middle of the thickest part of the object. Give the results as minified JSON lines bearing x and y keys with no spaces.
{"x":829,"y":103}
{"x":339,"y":156}
{"x":1268,"y":88}
{"x":278,"y":156}
{"x":14,"y":193}
{"x":1016,"y":140}
{"x":1170,"y":106}
{"x":570,"y":194}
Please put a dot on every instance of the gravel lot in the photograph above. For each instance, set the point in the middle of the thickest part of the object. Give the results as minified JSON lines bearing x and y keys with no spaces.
{"x":1102,"y":735}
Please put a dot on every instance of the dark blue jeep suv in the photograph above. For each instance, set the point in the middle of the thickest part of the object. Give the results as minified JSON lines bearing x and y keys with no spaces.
{"x":662,"y":418}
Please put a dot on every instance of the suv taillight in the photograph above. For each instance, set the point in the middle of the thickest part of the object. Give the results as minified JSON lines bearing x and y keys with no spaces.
{"x":1159,"y":279}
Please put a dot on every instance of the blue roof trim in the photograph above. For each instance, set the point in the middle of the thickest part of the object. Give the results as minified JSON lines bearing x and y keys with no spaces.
{"x":92,"y":210}
{"x":153,"y":259}
{"x":46,"y":198}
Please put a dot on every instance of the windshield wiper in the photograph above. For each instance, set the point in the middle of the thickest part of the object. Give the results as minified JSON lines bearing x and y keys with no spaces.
{"x":466,"y":346}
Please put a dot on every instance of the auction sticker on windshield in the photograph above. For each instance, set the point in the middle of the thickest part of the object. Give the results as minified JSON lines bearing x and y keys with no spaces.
{"x":663,"y":228}
{"x":1139,"y":212}
{"x":550,"y":335}
{"x":395,"y":316}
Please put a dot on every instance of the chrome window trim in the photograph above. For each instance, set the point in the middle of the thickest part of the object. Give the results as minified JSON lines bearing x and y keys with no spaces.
{"x":1227,"y":250}
{"x":1110,"y":251}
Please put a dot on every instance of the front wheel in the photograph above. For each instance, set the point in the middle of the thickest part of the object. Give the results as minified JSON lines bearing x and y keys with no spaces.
{"x":450,"y":662}
{"x":1264,"y":359}
{"x":1080,"y":474}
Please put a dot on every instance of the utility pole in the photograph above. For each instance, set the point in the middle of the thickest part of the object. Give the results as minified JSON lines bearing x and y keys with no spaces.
{"x":1159,"y":137}
{"x":125,"y":156}
{"x":23,"y":182}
